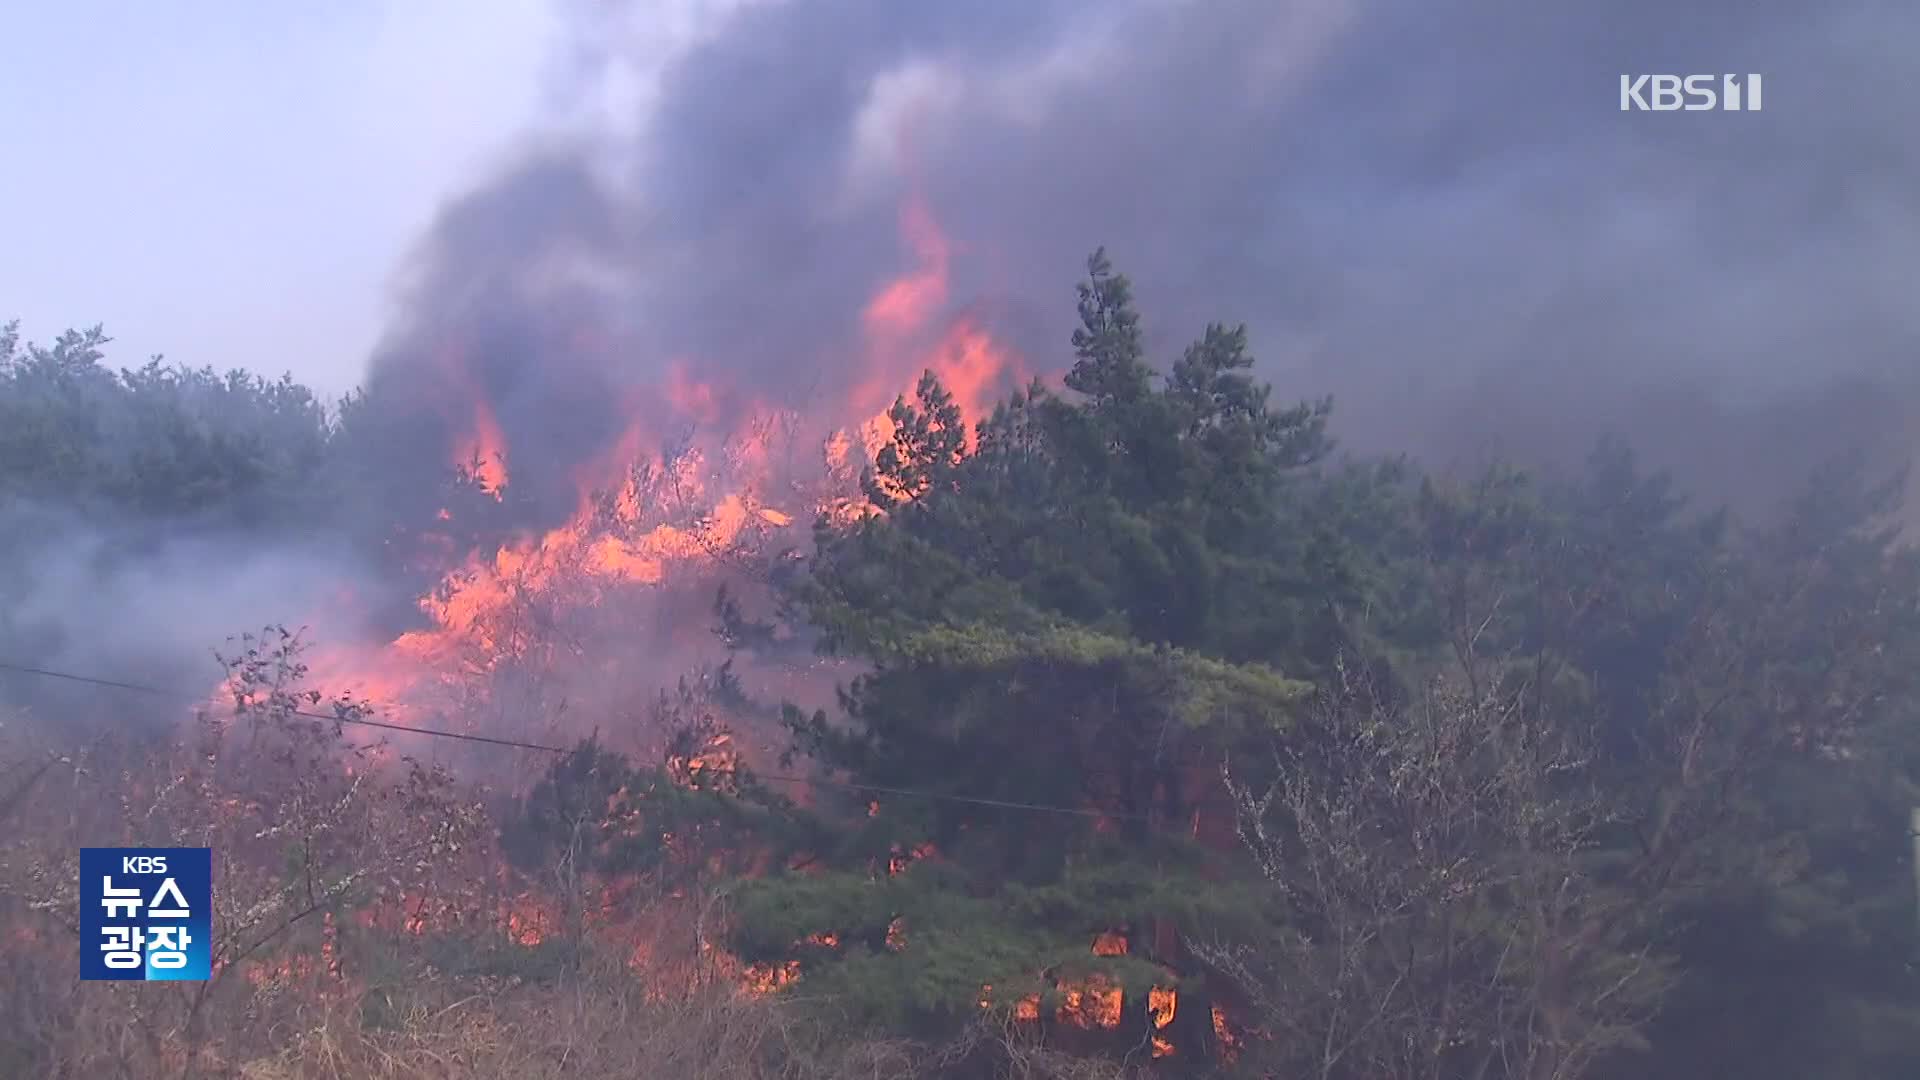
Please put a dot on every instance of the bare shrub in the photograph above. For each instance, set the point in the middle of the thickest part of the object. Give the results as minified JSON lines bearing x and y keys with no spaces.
{"x":303,"y":822}
{"x":1450,"y":912}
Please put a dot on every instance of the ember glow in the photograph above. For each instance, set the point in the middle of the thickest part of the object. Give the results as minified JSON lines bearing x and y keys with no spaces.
{"x":1097,"y":1003}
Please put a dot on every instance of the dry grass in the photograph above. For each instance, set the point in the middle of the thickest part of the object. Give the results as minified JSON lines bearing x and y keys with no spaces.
{"x":602,"y":1019}
{"x":599,"y":1022}
{"x":325,"y":998}
{"x":603,"y":1022}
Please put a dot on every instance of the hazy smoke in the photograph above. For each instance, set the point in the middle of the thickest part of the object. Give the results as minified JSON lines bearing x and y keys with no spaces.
{"x":1435,"y":211}
{"x":116,"y":599}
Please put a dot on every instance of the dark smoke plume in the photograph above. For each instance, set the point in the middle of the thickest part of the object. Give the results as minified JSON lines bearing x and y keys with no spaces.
{"x":1435,"y":211}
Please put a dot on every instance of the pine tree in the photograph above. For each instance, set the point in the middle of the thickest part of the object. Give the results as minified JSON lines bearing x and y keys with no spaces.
{"x":1058,"y":665}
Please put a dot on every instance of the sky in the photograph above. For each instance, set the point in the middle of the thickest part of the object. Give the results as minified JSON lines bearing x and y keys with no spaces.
{"x":1432,"y":209}
{"x":236,"y":184}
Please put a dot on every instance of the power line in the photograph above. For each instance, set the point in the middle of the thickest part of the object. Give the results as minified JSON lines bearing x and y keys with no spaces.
{"x":361,"y":721}
{"x":844,"y":785}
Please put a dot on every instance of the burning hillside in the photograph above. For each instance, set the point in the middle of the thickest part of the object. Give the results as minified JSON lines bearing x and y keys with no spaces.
{"x":580,"y":549}
{"x":703,"y":484}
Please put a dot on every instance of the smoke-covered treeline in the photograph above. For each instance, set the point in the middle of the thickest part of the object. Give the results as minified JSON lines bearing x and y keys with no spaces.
{"x":146,"y":514}
{"x":1186,"y":744}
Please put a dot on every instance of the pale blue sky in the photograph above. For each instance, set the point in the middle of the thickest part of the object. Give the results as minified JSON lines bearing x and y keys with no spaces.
{"x":235,"y":183}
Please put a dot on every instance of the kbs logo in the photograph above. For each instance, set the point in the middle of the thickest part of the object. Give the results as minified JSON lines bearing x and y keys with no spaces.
{"x":146,"y":914}
{"x":1693,"y":93}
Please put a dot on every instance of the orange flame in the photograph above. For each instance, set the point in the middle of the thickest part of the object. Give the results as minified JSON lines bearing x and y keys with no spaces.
{"x":904,"y":304}
{"x":765,"y":978}
{"x":1095,"y":1003}
{"x":482,"y":451}
{"x":527,"y":922}
{"x":1162,"y":1003}
{"x":1224,"y":1035}
{"x":901,"y":858}
{"x":972,"y":366}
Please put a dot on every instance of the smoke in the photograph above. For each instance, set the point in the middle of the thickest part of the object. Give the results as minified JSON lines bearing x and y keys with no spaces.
{"x":114,"y":600}
{"x":1436,"y":212}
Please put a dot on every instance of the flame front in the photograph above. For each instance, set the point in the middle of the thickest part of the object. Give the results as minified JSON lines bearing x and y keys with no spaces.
{"x":645,"y":521}
{"x":645,"y":518}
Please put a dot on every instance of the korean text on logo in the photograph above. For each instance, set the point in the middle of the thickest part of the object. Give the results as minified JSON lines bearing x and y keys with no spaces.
{"x":146,"y":914}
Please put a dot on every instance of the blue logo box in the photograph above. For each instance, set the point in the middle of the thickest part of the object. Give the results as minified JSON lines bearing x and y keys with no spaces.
{"x":146,"y":914}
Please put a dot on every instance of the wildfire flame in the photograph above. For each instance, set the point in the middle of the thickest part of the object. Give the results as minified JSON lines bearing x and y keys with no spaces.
{"x":1224,"y":1034}
{"x":482,"y":451}
{"x":1161,"y":1005}
{"x":646,"y":519}
{"x":901,"y":858}
{"x":1096,"y":1003}
{"x":642,"y":518}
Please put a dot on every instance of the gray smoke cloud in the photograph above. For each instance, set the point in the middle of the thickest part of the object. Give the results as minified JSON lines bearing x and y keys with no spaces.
{"x":1435,"y":211}
{"x":125,"y":600}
